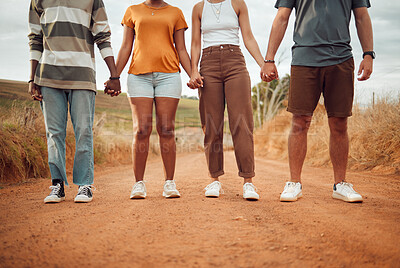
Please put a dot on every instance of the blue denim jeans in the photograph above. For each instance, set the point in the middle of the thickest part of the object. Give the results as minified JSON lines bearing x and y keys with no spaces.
{"x":55,"y":110}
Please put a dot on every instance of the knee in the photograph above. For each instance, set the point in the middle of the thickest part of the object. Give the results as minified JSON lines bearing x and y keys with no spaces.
{"x":338,"y":126}
{"x":166,"y":131}
{"x":142,"y":132}
{"x":300,"y":124}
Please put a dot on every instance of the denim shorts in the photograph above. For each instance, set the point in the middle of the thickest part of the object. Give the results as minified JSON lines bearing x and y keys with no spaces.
{"x":152,"y":85}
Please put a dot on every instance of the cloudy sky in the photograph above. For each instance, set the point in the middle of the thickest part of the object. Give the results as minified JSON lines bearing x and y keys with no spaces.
{"x":384,"y":13}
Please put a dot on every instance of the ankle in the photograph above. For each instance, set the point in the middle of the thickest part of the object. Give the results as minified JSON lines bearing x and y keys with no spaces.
{"x":247,"y":180}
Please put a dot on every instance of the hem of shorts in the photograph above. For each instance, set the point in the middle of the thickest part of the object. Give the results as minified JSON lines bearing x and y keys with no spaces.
{"x":172,"y":97}
{"x":246,"y":175}
{"x":217,"y":174}
{"x":340,"y":114}
{"x":299,"y":112}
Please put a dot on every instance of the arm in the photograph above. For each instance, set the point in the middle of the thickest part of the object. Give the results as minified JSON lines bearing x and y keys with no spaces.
{"x":36,"y":50}
{"x":268,"y":70}
{"x":248,"y":37}
{"x":102,"y":35}
{"x":179,"y":40}
{"x":123,"y":56}
{"x":365,"y":35}
{"x":196,"y":80}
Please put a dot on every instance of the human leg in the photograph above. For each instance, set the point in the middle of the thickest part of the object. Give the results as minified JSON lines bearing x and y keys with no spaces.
{"x":142,"y":126}
{"x":297,"y":145}
{"x":55,"y":111}
{"x":82,"y":105}
{"x":211,"y":108}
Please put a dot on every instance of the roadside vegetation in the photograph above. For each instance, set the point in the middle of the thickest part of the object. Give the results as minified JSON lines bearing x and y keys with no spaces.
{"x":23,"y":145}
{"x":373,"y":132}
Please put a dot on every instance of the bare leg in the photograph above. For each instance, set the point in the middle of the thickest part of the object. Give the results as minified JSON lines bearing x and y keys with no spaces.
{"x":142,"y":109}
{"x":338,"y":146}
{"x":298,"y":145}
{"x":247,"y":180}
{"x":165,"y":114}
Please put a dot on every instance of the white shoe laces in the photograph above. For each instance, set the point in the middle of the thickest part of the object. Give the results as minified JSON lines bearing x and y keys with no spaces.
{"x":290,"y":187}
{"x":55,"y":189}
{"x":346,"y":187}
{"x":170,"y":185}
{"x":248,"y":186}
{"x":139,"y":186}
{"x":216,"y":185}
{"x":84,"y":189}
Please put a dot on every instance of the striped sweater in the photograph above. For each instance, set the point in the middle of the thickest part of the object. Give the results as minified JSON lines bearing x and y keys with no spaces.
{"x":62,"y":37}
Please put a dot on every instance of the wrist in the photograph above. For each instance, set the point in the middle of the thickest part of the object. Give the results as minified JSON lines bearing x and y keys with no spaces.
{"x":370,"y":53}
{"x":114,"y":78}
{"x":269,"y":61}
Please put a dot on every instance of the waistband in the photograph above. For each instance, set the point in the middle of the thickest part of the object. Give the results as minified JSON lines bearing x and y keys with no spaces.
{"x":220,"y":47}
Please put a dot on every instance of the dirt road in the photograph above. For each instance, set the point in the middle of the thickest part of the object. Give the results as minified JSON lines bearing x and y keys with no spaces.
{"x":114,"y":231}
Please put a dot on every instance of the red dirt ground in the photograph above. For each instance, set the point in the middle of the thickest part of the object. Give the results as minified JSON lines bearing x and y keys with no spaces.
{"x":114,"y":231}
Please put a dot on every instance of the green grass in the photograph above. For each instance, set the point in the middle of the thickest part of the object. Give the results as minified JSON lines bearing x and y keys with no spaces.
{"x":117,"y":109}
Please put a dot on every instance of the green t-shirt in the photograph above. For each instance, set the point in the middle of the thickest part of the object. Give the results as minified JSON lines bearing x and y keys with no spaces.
{"x":321,"y":32}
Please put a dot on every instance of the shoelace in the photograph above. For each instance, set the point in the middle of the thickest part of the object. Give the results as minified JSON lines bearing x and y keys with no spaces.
{"x":84,"y":190}
{"x":138,"y":186}
{"x":250,"y":186}
{"x":346,"y":187}
{"x":290,"y":186}
{"x":170,"y":185}
{"x":216,"y":185}
{"x":55,"y":189}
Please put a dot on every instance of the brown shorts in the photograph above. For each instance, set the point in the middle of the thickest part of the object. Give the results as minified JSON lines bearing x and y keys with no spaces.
{"x":335,"y":82}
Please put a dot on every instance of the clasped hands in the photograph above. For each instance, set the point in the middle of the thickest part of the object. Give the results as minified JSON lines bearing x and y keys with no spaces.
{"x":112,"y":87}
{"x":196,"y":80}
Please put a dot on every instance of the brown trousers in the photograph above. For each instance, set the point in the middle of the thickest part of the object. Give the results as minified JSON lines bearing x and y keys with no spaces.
{"x":226,"y":79}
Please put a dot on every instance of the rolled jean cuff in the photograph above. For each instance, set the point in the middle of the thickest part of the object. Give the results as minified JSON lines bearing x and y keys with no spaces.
{"x":247,"y":175}
{"x":217,"y":174}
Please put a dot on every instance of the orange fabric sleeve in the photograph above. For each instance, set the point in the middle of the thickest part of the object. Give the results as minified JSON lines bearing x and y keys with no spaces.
{"x":181,"y":23}
{"x":127,"y":19}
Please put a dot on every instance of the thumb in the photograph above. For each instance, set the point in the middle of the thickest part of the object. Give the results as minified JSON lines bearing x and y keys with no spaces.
{"x":360,"y":69}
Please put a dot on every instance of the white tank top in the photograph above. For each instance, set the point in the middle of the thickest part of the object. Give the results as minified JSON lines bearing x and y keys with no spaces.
{"x":219,"y":24}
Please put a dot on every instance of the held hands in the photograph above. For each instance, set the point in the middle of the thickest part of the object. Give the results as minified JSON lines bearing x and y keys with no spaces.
{"x":365,"y":69}
{"x":196,"y":80}
{"x":34,"y":91}
{"x":269,"y":72}
{"x":112,"y":87}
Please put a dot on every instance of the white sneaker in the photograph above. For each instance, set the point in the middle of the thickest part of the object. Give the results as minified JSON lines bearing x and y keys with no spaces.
{"x":292,"y":191}
{"x":85,"y":194}
{"x":170,"y":190}
{"x":139,"y":190}
{"x":213,"y":189}
{"x":344,"y":191}
{"x":249,"y":192}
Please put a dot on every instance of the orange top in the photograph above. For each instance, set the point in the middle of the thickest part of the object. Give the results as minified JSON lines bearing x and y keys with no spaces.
{"x":154,"y":49}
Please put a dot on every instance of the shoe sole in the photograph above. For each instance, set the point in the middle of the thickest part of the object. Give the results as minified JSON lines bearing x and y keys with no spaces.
{"x":212,"y":196}
{"x":138,"y":196}
{"x":173,"y":195}
{"x":345,"y":199}
{"x":54,"y":200}
{"x":285,"y":199}
{"x":252,"y":198}
{"x":83,"y":200}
